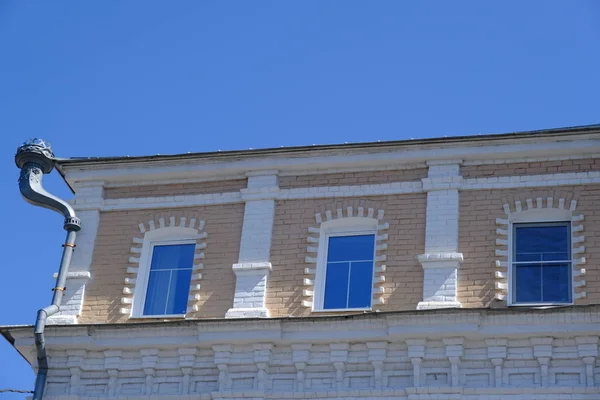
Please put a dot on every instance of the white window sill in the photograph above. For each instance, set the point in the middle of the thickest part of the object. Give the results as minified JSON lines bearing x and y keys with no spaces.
{"x":169,"y":316}
{"x":541,"y":304}
{"x":342,"y":310}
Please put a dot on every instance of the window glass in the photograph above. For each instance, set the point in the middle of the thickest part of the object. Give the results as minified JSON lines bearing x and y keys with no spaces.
{"x":542,"y":263}
{"x":543,"y":242}
{"x":169,"y":279}
{"x":349,"y":274}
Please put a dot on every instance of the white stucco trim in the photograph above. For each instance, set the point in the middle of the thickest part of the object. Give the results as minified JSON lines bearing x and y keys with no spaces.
{"x":529,"y":159}
{"x":532,"y":210}
{"x":441,"y":260}
{"x":173,"y":231}
{"x":167,"y":201}
{"x":326,"y":159}
{"x":528,"y":181}
{"x":330,"y":192}
{"x":253,"y":268}
{"x":347,"y":169}
{"x":554,"y":352}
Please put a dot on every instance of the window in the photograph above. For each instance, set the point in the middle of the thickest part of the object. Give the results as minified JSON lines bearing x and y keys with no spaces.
{"x":349,"y":272}
{"x":349,"y":261}
{"x":541,"y":263}
{"x":169,"y":279}
{"x":167,"y":270}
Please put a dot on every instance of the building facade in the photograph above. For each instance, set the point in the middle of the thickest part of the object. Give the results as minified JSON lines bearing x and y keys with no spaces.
{"x":454,"y":268}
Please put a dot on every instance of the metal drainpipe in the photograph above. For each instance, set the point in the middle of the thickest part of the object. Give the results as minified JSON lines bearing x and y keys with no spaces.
{"x":35,"y":158}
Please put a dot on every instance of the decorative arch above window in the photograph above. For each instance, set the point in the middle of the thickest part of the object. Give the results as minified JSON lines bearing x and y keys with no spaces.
{"x":164,"y":268}
{"x":540,"y":253}
{"x":347,"y":255}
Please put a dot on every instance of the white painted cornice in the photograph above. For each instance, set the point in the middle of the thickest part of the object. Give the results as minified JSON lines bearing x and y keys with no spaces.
{"x":510,"y":323}
{"x":212,"y":165}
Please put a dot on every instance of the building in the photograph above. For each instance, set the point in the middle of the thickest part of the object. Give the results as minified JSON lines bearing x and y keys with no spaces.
{"x":449,"y":268}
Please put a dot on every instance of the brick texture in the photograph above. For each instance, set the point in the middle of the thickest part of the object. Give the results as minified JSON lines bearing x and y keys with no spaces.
{"x":404,"y":276}
{"x":113,"y":243}
{"x":477,"y":236}
{"x":530,"y":168}
{"x":174,"y":189}
{"x":352,"y":178}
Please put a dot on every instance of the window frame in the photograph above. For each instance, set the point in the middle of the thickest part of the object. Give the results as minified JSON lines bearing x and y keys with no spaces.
{"x":352,"y":226}
{"x":533,"y":218}
{"x":160,"y":237}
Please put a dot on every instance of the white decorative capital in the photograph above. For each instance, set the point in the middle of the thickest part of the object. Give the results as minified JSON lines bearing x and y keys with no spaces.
{"x":257,"y":268}
{"x":440,"y":260}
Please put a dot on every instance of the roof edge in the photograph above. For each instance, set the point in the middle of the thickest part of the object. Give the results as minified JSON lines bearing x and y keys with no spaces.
{"x":543,"y":133}
{"x":312,"y":318}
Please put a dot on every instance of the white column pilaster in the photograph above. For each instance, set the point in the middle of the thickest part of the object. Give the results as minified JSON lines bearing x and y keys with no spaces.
{"x":253,"y":266}
{"x":441,"y":259}
{"x":496,"y":352}
{"x":89,"y":197}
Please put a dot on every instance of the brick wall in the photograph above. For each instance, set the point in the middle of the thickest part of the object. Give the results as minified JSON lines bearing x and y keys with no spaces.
{"x":477,"y":237}
{"x":110,"y":260}
{"x":404,"y":276}
{"x":530,"y":168}
{"x":406,"y":215}
{"x":352,"y":178}
{"x":174,"y":189}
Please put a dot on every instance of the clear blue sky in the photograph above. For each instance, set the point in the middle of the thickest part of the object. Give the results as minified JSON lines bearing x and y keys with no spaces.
{"x":145,"y":77}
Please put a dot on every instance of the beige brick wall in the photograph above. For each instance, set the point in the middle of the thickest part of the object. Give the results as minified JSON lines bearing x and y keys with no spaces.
{"x":404,"y":213}
{"x":530,"y":168}
{"x":112,"y":251}
{"x":174,"y":189}
{"x":477,"y":236}
{"x":404,"y":276}
{"x":352,"y":178}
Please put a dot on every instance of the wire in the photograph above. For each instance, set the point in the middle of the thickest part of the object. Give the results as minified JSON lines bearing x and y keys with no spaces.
{"x":15,"y":391}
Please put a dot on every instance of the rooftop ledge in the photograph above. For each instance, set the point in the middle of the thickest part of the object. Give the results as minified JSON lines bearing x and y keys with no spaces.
{"x":395,"y":325}
{"x":575,"y":142}
{"x":535,"y":135}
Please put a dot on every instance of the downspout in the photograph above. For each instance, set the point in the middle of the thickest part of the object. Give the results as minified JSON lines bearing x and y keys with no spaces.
{"x":35,"y":158}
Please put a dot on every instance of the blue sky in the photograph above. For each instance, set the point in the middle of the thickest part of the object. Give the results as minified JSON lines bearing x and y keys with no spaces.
{"x":146,"y":77}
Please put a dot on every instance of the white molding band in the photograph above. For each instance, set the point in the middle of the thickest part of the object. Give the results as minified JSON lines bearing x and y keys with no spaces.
{"x":505,"y":182}
{"x":539,"y":209}
{"x":529,"y":159}
{"x":183,"y":227}
{"x":323,"y":192}
{"x":529,"y":181}
{"x":334,"y":158}
{"x":253,"y":268}
{"x":142,"y":203}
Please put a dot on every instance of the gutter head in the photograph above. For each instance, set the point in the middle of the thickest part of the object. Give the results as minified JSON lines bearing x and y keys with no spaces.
{"x":35,"y":158}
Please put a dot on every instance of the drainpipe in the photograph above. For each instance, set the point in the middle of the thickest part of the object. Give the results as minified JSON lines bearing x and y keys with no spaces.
{"x":35,"y":158}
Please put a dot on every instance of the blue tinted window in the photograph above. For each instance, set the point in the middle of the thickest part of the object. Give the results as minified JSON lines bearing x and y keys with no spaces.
{"x":349,"y":275}
{"x":169,"y":279}
{"x":542,"y":242}
{"x":350,"y":248}
{"x":542,"y":263}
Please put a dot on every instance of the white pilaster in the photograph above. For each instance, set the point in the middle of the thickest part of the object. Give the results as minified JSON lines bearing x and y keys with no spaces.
{"x":441,"y":260}
{"x":496,"y":352}
{"x":416,"y":353}
{"x":300,"y":356}
{"x":542,"y":351}
{"x":253,"y":267}
{"x":89,"y":198}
